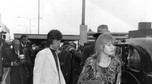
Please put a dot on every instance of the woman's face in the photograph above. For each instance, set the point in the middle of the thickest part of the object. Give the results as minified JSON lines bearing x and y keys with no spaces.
{"x":109,"y":49}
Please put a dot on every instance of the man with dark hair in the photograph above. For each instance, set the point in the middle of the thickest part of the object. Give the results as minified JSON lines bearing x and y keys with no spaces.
{"x":53,"y":35}
{"x":25,"y":44}
{"x":47,"y":69}
{"x":24,"y":40}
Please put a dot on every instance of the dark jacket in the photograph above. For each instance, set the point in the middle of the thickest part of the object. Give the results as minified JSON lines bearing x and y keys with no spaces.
{"x":87,"y":52}
{"x":30,"y":66}
{"x":70,"y":61}
{"x":18,"y":74}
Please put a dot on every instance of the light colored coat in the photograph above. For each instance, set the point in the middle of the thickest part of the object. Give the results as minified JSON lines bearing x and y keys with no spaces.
{"x":45,"y":70}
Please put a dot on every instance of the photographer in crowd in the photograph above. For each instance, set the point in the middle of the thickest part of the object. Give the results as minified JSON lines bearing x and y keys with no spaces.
{"x":18,"y":60}
{"x":70,"y":60}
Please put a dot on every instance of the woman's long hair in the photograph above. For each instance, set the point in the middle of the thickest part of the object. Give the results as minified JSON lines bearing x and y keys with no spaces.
{"x":101,"y":41}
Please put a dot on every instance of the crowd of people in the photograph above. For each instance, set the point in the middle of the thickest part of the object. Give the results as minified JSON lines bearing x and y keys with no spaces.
{"x":50,"y":63}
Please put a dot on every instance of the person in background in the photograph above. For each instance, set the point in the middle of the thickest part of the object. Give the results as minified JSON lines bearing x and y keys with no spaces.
{"x":62,"y":53}
{"x":26,"y":44}
{"x":42,"y":45}
{"x":18,"y":60}
{"x":70,"y":61}
{"x":24,"y":40}
{"x":36,"y":49}
{"x":103,"y":67}
{"x":4,"y":48}
{"x":76,"y":59}
{"x":47,"y":69}
{"x":89,"y":50}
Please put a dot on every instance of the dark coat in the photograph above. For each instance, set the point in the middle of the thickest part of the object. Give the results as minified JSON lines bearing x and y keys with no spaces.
{"x":18,"y":74}
{"x":87,"y":52}
{"x":76,"y":59}
{"x":65,"y":59}
{"x":70,"y":61}
{"x":30,"y":66}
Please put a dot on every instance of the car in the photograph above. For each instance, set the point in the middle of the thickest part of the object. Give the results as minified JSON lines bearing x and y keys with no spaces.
{"x":136,"y":56}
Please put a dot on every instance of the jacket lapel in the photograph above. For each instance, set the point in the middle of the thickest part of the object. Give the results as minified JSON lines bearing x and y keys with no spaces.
{"x":51,"y":60}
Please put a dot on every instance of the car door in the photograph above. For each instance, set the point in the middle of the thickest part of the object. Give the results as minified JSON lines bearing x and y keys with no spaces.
{"x":146,"y":66}
{"x":134,"y":65}
{"x":131,"y":66}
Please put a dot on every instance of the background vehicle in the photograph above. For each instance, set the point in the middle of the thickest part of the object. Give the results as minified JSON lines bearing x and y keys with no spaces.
{"x":136,"y":56}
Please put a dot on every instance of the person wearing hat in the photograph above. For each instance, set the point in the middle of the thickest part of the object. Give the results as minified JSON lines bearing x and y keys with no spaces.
{"x":89,"y":50}
{"x":102,"y":29}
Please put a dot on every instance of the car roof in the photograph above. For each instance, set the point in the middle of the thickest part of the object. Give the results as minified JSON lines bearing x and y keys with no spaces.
{"x":145,"y":43}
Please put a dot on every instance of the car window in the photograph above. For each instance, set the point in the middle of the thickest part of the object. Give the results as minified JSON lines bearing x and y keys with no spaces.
{"x":134,"y":62}
{"x":146,"y":61}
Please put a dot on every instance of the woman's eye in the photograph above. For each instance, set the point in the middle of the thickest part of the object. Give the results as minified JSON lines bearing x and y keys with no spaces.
{"x":109,"y":44}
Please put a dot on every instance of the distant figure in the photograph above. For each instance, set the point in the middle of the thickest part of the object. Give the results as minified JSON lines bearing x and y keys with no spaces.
{"x":47,"y":69}
{"x":42,"y":45}
{"x":27,"y":45}
{"x":24,"y":40}
{"x":70,"y":61}
{"x":3,"y":48}
{"x":18,"y":60}
{"x":89,"y":50}
{"x":36,"y":49}
{"x":62,"y":53}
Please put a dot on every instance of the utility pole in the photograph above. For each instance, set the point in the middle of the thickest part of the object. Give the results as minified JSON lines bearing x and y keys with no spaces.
{"x":83,"y":12}
{"x":30,"y":24}
{"x":38,"y":16}
{"x":29,"y":19}
{"x":83,"y":27}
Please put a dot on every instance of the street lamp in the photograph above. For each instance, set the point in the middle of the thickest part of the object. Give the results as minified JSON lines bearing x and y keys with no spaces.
{"x":22,"y":26}
{"x":29,"y":22}
{"x":38,"y":16}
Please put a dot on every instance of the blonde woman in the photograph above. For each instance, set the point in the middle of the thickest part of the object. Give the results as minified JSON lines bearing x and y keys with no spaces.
{"x":102,"y":67}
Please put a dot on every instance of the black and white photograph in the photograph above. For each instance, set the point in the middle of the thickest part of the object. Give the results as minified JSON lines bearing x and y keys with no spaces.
{"x":75,"y":41}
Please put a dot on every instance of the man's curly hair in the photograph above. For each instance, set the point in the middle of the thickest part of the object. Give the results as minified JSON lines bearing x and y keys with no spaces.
{"x":53,"y":35}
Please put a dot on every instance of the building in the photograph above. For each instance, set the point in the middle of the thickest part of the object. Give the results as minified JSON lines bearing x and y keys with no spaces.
{"x":117,"y":36}
{"x":144,"y":30}
{"x":38,"y":38}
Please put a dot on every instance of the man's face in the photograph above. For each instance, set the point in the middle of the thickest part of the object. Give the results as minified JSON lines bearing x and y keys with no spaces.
{"x":24,"y":40}
{"x":56,"y":44}
{"x":16,"y":46}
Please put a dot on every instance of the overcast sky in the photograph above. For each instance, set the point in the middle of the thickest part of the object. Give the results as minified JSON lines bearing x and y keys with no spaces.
{"x":65,"y":15}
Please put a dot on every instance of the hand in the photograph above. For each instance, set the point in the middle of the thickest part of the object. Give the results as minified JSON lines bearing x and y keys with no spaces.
{"x":70,"y":49}
{"x":22,"y":61}
{"x":15,"y":63}
{"x":21,"y":56}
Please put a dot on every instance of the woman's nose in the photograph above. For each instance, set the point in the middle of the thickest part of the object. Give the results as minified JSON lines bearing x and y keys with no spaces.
{"x":113,"y":47}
